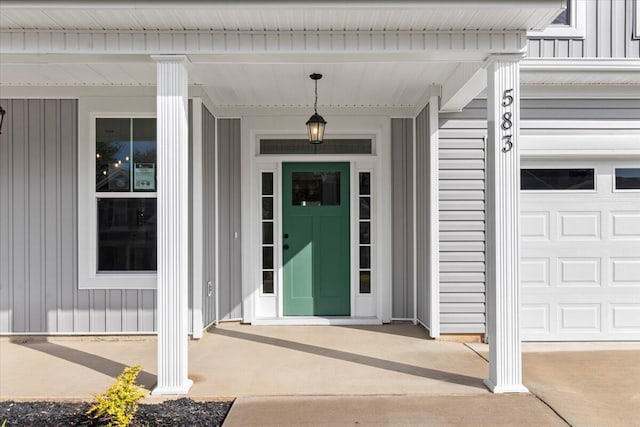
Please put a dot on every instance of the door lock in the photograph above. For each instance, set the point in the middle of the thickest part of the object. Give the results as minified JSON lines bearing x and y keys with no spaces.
{"x":285,"y":247}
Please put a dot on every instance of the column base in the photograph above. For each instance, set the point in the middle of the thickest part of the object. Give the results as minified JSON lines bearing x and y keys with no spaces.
{"x":507,"y":388}
{"x":166,"y":391}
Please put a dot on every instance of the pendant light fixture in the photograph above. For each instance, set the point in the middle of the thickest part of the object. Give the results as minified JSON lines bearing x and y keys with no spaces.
{"x":316,"y":124}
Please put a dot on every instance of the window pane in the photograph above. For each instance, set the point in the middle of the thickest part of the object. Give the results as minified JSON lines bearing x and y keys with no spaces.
{"x":315,"y":188}
{"x":144,"y":155}
{"x":328,"y":146}
{"x":628,"y":179}
{"x":113,"y":151}
{"x":365,"y":233}
{"x":365,"y":208}
{"x":563,"y":18}
{"x":267,"y":208}
{"x":365,"y":257}
{"x":267,"y":282}
{"x":365,"y":282}
{"x":267,"y":257}
{"x":267,"y":233}
{"x":365,"y":183}
{"x":267,"y":183}
{"x":127,"y":234}
{"x":557,"y":179}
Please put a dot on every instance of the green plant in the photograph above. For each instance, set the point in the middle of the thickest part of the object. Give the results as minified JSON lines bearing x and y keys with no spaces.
{"x":119,"y":403}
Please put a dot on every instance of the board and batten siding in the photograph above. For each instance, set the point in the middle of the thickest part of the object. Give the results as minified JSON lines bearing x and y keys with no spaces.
{"x":209,"y":178}
{"x":38,"y":231}
{"x":608,"y":34}
{"x":422,"y":212}
{"x":402,"y":217}
{"x":229,"y":219}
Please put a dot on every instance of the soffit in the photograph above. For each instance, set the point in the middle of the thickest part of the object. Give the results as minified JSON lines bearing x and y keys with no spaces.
{"x":452,"y":15}
{"x":388,"y":84}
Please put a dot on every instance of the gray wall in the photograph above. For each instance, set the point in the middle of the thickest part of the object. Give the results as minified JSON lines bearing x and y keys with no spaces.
{"x":229,"y":218}
{"x":402,"y":217}
{"x":608,"y":34}
{"x":422,"y":215}
{"x":462,"y":235}
{"x":208,"y":215}
{"x":38,"y":231}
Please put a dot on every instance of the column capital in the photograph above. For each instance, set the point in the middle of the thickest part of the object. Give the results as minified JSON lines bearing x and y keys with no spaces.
{"x":178,"y":59}
{"x":508,"y":57}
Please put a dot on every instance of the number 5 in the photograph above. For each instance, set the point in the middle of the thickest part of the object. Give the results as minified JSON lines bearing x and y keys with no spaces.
{"x":506,"y":98}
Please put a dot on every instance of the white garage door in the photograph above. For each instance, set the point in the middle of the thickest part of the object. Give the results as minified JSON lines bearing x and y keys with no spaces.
{"x":580,"y":250}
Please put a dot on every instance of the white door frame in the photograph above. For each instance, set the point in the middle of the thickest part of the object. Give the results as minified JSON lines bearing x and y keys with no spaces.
{"x":373,"y":308}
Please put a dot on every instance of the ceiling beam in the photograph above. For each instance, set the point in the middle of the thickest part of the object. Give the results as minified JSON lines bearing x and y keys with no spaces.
{"x":464,"y":84}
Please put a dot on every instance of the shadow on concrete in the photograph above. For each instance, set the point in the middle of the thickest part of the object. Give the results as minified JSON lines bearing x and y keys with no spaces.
{"x":398,"y":328}
{"x":88,"y":360}
{"x":375,"y":362}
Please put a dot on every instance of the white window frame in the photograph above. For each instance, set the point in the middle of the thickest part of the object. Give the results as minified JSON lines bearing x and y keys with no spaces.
{"x":616,"y":166}
{"x":636,"y":20}
{"x":549,"y":164}
{"x":88,"y":275}
{"x":576,"y":28}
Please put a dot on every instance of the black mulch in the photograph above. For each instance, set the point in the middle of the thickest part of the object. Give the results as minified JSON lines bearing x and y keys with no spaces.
{"x":181,"y":412}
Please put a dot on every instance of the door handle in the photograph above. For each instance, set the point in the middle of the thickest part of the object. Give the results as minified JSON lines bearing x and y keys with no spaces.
{"x":285,"y":247}
{"x":286,"y":235}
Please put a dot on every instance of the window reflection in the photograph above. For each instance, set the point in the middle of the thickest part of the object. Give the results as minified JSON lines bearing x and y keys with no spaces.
{"x":315,"y":188}
{"x":126,"y":234}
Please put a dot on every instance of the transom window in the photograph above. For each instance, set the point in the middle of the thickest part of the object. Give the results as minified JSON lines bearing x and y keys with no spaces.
{"x":125,"y":194}
{"x":557,"y":179}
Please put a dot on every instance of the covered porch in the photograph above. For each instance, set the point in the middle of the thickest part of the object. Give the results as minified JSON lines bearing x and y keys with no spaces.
{"x":381,"y":61}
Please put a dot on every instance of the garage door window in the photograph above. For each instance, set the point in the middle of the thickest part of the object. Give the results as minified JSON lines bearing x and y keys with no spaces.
{"x":557,"y":179}
{"x":627,"y":178}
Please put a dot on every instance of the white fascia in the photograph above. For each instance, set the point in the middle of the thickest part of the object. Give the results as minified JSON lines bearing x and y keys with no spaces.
{"x":580,"y":64}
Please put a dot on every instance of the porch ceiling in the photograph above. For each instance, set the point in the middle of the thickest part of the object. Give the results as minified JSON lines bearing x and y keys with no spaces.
{"x":372,"y":15}
{"x":387,"y":84}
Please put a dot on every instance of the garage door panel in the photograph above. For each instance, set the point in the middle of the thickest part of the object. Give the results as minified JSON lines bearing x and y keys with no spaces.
{"x":534,"y":272}
{"x":579,"y":272}
{"x":534,"y":319}
{"x":625,"y":225}
{"x":579,"y":317}
{"x":580,"y":260}
{"x":579,"y":226}
{"x":534,"y":226}
{"x":625,"y":272}
{"x":625,"y":317}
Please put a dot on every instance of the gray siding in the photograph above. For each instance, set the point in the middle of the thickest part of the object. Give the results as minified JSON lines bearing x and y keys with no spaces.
{"x":422,"y":215}
{"x":38,"y":231}
{"x":462,"y":240}
{"x":609,"y":34}
{"x":462,"y":266}
{"x":402,"y":217}
{"x":208,"y":216}
{"x":229,"y":218}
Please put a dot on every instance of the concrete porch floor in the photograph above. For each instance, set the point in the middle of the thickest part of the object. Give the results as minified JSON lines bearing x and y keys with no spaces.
{"x":234,"y":360}
{"x":341,"y":375}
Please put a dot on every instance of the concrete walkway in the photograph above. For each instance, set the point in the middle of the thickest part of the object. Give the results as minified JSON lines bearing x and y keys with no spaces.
{"x":332,"y":375}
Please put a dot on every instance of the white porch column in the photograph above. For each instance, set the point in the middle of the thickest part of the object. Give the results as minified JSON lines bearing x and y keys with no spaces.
{"x":503,"y":255}
{"x":173,"y":211}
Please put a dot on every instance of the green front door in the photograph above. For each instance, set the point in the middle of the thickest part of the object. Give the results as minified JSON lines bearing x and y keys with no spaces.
{"x":315,"y":244}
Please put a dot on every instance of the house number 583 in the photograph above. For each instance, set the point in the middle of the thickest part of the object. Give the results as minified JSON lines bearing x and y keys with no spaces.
{"x":507,"y":100}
